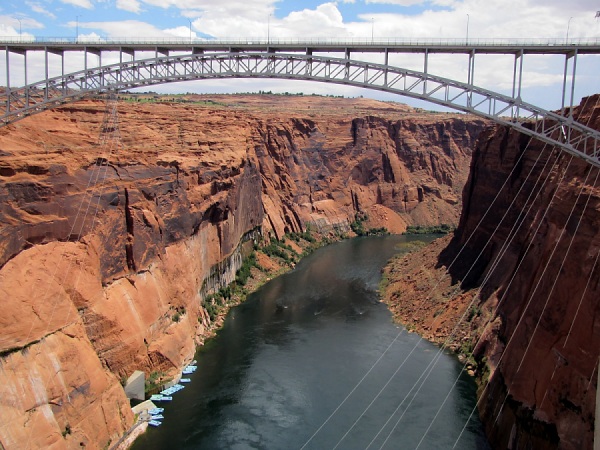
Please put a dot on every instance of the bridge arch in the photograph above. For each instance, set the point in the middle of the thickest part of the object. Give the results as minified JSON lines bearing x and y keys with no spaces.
{"x":554,"y":129}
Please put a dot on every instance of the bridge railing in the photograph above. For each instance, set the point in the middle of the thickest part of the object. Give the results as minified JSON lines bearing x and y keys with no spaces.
{"x":391,"y":41}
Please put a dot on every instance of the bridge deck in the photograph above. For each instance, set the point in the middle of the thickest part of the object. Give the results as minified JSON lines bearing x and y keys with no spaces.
{"x":550,"y":47}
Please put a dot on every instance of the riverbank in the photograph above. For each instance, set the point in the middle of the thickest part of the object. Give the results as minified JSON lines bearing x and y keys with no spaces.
{"x":267,"y":261}
{"x":285,"y":358}
{"x":424,"y":298}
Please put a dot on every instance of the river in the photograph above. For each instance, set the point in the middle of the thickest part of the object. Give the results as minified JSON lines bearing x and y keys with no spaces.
{"x":313,"y":360}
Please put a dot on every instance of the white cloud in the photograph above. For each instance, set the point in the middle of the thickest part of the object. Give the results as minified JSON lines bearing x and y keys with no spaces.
{"x":90,"y":37}
{"x":397,"y":2}
{"x":323,"y":21}
{"x":223,"y":8}
{"x":124,"y":29}
{"x":133,"y":6}
{"x":39,"y":9}
{"x":87,"y":4}
{"x":507,"y":19}
{"x":182,"y":32}
{"x":10,"y":26}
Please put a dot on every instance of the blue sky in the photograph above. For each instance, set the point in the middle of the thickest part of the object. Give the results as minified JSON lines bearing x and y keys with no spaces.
{"x":343,"y":19}
{"x":356,"y":18}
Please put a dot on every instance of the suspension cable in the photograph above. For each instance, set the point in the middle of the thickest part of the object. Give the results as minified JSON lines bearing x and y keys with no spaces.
{"x":449,"y":338}
{"x":93,"y":182}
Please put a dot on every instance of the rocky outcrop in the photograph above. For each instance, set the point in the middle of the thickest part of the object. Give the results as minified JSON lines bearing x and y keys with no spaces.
{"x":397,"y":172}
{"x":106,"y":253}
{"x":143,"y":242}
{"x":521,"y":272}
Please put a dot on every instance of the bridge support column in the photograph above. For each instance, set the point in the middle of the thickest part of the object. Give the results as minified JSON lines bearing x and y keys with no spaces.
{"x":425,"y":64}
{"x":7,"y":69}
{"x":516,"y":90}
{"x":568,"y":56}
{"x":387,"y":60}
{"x":25,"y":77}
{"x":470,"y":76}
{"x":46,"y":72}
{"x":85,"y":65}
{"x":7,"y":80}
{"x":347,"y":65}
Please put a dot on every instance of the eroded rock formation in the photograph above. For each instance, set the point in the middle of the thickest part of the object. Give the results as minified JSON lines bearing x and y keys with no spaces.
{"x":106,"y":252}
{"x":522,"y":272}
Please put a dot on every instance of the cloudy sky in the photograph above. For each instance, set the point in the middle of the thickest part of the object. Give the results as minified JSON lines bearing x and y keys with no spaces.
{"x":346,"y":19}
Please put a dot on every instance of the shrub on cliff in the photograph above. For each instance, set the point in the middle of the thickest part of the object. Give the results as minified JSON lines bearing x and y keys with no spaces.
{"x":443,"y":228}
{"x":359,"y":228}
{"x":244,"y":272}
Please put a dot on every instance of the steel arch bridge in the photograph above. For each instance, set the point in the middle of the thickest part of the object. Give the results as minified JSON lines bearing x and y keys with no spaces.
{"x":555,"y":129}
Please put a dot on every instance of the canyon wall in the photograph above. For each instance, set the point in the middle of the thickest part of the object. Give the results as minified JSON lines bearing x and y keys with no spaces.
{"x":406,"y":172}
{"x":107,"y":281}
{"x":106,"y":252}
{"x":522,"y":273}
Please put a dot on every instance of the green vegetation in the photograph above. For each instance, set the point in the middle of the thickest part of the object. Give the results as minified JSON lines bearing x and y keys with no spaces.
{"x":179,"y":311}
{"x":215,"y":303}
{"x":484,"y":370}
{"x":67,"y":430}
{"x":154,"y":381}
{"x":298,"y":94}
{"x":384,"y":282}
{"x":475,"y":311}
{"x":244,"y":272}
{"x":359,"y":228}
{"x":154,"y":97}
{"x":144,"y":98}
{"x":297,"y":237}
{"x":281,"y":250}
{"x":444,"y":228}
{"x":466,"y":348}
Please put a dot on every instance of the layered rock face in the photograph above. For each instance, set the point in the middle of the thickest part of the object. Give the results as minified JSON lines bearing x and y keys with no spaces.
{"x":543,"y":345}
{"x":107,"y":251}
{"x":144,"y":240}
{"x":399,"y":173}
{"x":525,"y":254}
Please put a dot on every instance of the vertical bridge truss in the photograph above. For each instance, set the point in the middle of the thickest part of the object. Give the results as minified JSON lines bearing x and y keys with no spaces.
{"x":299,"y":62}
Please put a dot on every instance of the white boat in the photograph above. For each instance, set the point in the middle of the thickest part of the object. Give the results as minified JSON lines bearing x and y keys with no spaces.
{"x":154,"y":423}
{"x":185,"y":380}
{"x":157,"y":416}
{"x":154,"y":411}
{"x":161,"y":398}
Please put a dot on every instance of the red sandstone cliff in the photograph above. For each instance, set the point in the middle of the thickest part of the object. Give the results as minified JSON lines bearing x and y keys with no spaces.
{"x":100,"y":248}
{"x":398,"y":172}
{"x":534,"y":321}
